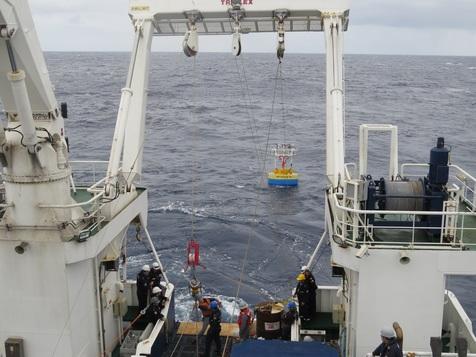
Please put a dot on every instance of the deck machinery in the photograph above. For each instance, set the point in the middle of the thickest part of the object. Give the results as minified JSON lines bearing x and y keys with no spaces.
{"x":62,"y":240}
{"x":395,"y":240}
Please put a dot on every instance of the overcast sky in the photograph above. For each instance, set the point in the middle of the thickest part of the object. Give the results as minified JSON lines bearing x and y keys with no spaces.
{"x":426,"y":27}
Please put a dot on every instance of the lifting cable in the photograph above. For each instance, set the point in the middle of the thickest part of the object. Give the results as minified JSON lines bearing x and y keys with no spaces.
{"x":194,"y":149}
{"x":245,"y":95}
{"x":283,"y":108}
{"x":194,"y":122}
{"x":258,"y":194}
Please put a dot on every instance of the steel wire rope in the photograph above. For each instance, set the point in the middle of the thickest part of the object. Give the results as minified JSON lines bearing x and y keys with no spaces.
{"x":176,"y":345}
{"x":258,"y":195}
{"x":283,"y":109}
{"x":194,"y":176}
{"x":245,"y":91}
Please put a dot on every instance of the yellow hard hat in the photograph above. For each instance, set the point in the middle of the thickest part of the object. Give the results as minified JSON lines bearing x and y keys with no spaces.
{"x":301,"y":277}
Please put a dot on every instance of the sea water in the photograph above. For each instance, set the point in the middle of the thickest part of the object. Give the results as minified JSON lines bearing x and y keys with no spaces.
{"x":209,"y":120}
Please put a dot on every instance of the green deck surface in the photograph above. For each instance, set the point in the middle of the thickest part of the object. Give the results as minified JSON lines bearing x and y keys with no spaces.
{"x":116,"y":352}
{"x":469,"y":235}
{"x":81,"y":195}
{"x":420,"y":237}
{"x":131,"y":314}
{"x":322,"y":321}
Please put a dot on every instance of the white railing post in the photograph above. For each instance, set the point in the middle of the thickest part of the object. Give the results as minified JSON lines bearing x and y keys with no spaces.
{"x":474,"y":197}
{"x":413,"y":230}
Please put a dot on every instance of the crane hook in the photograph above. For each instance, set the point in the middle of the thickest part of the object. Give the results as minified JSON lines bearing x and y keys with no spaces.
{"x":190,"y":42}
{"x":281,"y":15}
{"x":236,"y":42}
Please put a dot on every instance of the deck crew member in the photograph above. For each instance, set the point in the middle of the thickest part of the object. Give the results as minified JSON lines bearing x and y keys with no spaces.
{"x":155,"y":275}
{"x":157,"y":303}
{"x":389,"y":346}
{"x":311,"y":282}
{"x":204,"y":306}
{"x":245,"y":319}
{"x":163,"y":287}
{"x":287,"y":320}
{"x":305,"y":296}
{"x":399,"y":333}
{"x":213,"y":333}
{"x":142,"y":284}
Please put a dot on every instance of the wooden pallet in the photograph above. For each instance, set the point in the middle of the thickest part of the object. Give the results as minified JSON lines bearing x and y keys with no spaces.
{"x":192,"y":328}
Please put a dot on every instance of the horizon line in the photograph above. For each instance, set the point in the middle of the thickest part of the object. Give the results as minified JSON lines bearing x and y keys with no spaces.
{"x":264,"y":53}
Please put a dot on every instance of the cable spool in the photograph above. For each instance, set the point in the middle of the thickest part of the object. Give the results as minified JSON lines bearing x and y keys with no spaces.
{"x":412,"y":193}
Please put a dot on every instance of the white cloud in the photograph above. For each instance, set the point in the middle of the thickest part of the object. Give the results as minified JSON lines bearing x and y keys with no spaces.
{"x":391,"y":40}
{"x":434,"y":14}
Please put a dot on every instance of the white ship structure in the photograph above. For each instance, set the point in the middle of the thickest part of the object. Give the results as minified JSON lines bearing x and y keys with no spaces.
{"x":63,"y":224}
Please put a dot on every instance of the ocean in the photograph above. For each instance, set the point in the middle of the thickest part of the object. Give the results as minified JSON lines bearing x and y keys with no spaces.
{"x":210,"y":118}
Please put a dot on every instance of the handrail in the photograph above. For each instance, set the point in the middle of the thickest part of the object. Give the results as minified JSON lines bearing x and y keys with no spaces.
{"x":451,"y":235}
{"x":348,"y":176}
{"x":96,"y":184}
{"x":468,"y":178}
{"x":145,"y":347}
{"x":88,"y":162}
{"x":458,"y":168}
{"x":95,"y":198}
{"x":417,"y":213}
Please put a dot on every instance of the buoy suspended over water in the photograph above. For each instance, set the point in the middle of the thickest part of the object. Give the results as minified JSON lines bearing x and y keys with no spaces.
{"x":283,"y":173}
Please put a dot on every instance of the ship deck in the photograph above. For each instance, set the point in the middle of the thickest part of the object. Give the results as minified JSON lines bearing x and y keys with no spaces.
{"x":184,"y":343}
{"x":321,"y":325}
{"x":466,"y":233}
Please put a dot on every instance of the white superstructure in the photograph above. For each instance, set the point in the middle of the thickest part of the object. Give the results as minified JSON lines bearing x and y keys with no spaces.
{"x":60,"y":241}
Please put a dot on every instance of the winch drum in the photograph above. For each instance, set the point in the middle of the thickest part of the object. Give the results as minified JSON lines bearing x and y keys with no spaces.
{"x":406,"y":189}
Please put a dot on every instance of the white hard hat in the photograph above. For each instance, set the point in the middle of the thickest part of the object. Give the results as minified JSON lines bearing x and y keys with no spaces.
{"x":387,"y":332}
{"x":146,"y":267}
{"x":243,"y":305}
{"x":155,"y":290}
{"x":155,"y":265}
{"x":163,"y":284}
{"x":304,"y":268}
{"x":308,"y":339}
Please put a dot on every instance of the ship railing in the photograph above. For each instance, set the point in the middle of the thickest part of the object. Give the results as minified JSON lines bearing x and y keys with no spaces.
{"x":351,"y":226}
{"x":458,"y":176}
{"x":88,"y":173}
{"x":350,"y":169}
